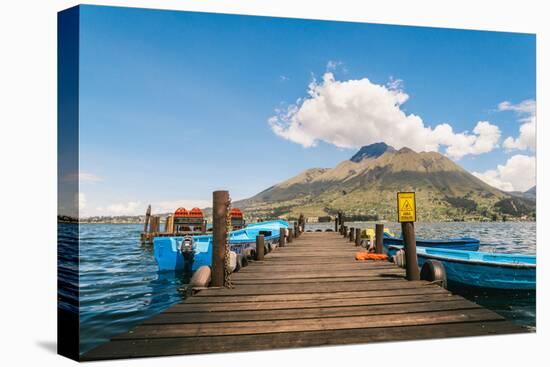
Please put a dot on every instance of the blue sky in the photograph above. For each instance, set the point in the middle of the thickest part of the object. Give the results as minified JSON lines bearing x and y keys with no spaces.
{"x":174,"y":105}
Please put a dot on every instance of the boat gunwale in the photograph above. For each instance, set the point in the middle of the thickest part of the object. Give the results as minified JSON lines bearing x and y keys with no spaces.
{"x":469,"y":261}
{"x":479,"y":262}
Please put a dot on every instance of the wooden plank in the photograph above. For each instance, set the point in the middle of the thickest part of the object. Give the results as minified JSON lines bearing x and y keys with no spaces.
{"x":268,"y":268}
{"x":313,"y":275}
{"x":318,"y":280}
{"x":313,"y":288}
{"x":308,"y":313}
{"x":299,"y":261}
{"x":314,"y":324}
{"x":309,"y":303}
{"x":185,"y":346}
{"x":315,"y":296}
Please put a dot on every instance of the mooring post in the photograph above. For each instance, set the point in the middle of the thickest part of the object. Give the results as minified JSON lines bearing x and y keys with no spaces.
{"x":336,"y":224}
{"x":290,"y":235}
{"x":351,"y":234}
{"x":167,"y":224}
{"x":379,"y":238}
{"x":341,"y":222}
{"x":302,"y":223}
{"x":147,"y":217}
{"x":282,"y":241}
{"x":171,"y":224}
{"x":152,"y":224}
{"x":296,"y":230}
{"x":409,"y":238}
{"x":220,"y":199}
{"x":357,"y":236}
{"x":260,"y":247}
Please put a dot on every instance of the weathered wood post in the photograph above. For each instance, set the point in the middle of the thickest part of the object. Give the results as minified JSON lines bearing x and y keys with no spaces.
{"x":169,"y":224}
{"x":357,"y":236}
{"x":153,"y":224}
{"x":336,"y":224}
{"x":379,"y":238}
{"x":260,"y":247}
{"x":302,"y":223}
{"x":282,"y":241}
{"x":147,"y":217}
{"x":406,"y":215}
{"x":351,"y":234}
{"x":296,"y":230}
{"x":220,"y":199}
{"x":290,"y":235}
{"x":409,"y":238}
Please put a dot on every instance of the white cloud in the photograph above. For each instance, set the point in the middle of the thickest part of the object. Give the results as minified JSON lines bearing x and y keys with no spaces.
{"x":170,"y":206}
{"x":395,"y":84}
{"x":333,"y":64}
{"x":89,"y":177}
{"x":283,"y":78}
{"x":81,"y":198}
{"x":528,"y":106}
{"x":126,"y":208}
{"x":82,"y":177}
{"x":527,"y":110}
{"x":517,"y":174}
{"x":353,"y":113}
{"x":135,"y":207}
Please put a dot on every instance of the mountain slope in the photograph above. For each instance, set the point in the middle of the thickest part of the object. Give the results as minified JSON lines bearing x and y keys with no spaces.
{"x":367,"y":185}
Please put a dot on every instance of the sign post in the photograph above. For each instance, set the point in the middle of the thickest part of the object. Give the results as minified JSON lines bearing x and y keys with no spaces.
{"x":406,"y":214}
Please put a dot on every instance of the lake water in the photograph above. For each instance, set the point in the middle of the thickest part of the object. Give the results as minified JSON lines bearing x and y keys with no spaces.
{"x":120,"y":285}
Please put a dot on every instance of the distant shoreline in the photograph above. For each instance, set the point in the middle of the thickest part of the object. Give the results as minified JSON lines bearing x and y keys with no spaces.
{"x":359,"y":221}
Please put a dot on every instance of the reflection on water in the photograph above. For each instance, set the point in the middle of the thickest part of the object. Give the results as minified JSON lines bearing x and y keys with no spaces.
{"x":120,"y":285}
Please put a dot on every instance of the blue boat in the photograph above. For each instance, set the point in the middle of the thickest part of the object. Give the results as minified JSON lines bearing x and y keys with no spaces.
{"x":460,"y":243}
{"x":482,"y":269}
{"x":190,"y":253}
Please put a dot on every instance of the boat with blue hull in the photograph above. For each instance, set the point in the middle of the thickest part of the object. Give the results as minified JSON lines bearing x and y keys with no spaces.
{"x":481,"y":269}
{"x":189,"y":253}
{"x":460,"y":243}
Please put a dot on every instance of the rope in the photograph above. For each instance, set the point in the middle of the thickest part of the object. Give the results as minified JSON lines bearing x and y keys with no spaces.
{"x":228,"y":283}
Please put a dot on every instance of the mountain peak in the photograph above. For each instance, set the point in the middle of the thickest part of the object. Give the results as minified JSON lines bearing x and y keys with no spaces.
{"x":371,"y":151}
{"x":405,"y":150}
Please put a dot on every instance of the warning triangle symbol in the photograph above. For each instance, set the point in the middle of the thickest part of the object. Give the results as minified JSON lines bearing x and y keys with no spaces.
{"x":406,"y":206}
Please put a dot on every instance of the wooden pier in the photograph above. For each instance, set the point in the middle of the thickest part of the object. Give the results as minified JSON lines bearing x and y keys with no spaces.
{"x":312,"y":292}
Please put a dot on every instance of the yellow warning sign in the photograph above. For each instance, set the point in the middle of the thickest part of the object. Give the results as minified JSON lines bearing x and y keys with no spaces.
{"x":406,"y":207}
